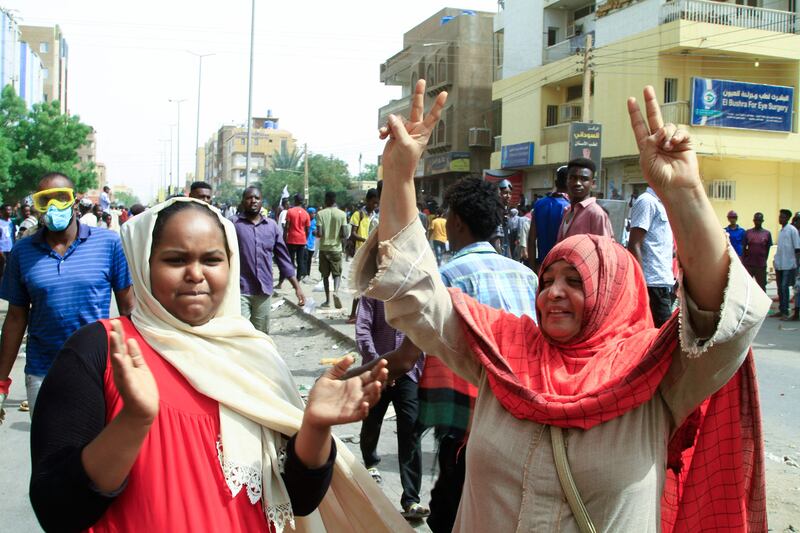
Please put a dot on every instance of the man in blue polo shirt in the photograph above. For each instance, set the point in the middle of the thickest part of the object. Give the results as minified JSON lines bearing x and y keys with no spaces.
{"x":56,"y":281}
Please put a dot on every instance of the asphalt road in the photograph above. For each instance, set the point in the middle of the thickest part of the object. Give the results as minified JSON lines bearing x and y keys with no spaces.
{"x":303,"y":343}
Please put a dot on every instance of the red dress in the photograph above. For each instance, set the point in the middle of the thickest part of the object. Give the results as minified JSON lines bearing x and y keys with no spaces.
{"x":176,"y":483}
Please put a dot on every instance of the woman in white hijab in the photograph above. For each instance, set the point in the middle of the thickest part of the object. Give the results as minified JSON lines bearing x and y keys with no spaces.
{"x":157,"y":422}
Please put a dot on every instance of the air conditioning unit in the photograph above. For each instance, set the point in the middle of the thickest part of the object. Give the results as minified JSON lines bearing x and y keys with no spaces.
{"x":481,"y":137}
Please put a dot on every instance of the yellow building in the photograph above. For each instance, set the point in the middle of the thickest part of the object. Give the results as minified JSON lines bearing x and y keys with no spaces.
{"x":225,"y":153}
{"x":667,"y":45}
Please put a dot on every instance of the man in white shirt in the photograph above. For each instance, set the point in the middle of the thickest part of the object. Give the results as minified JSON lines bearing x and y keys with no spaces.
{"x":650,"y":242}
{"x":786,"y":261}
{"x":85,"y":208}
{"x":105,"y":199}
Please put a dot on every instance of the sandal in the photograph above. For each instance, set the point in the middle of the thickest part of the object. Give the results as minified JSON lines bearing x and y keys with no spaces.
{"x":23,"y":406}
{"x":416,"y":511}
{"x":376,"y":475}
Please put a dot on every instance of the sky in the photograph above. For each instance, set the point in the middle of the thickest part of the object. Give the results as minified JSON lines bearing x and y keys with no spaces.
{"x":317,"y":65}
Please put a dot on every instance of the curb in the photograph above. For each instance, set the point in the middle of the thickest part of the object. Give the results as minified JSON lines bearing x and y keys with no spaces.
{"x":341,"y":337}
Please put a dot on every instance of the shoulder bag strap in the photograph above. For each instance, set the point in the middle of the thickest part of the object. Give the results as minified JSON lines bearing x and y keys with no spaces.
{"x":567,"y":483}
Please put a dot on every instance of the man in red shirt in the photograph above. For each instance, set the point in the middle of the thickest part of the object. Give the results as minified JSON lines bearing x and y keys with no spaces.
{"x":295,"y":233}
{"x":584,"y":215}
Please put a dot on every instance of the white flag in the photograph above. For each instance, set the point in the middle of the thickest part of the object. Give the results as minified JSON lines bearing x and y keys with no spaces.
{"x":285,"y":193}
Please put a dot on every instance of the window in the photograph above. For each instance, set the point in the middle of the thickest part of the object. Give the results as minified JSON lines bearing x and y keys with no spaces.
{"x":574,"y":93}
{"x":441,"y":133}
{"x":284,"y":147}
{"x":722,"y":190}
{"x":414,"y":79}
{"x":584,"y":11}
{"x":670,"y":90}
{"x":441,"y":70}
{"x":45,"y":73}
{"x":499,"y":41}
{"x":552,"y":36}
{"x":552,"y":115}
{"x":430,"y":75}
{"x":44,"y":48}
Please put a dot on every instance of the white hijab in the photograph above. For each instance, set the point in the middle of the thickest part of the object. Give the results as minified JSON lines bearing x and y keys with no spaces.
{"x":228,"y":360}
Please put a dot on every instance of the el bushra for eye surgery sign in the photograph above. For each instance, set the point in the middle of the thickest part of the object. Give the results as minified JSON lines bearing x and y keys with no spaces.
{"x":742,"y":105}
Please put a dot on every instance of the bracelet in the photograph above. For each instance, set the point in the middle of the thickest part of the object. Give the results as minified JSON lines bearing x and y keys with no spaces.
{"x":5,"y":385}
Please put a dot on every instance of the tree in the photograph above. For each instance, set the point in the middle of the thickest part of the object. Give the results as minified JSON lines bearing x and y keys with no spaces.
{"x":370,"y":173}
{"x":38,"y":141}
{"x":286,"y":161}
{"x":325,"y":173}
{"x":227,"y":193}
{"x":125,"y":198}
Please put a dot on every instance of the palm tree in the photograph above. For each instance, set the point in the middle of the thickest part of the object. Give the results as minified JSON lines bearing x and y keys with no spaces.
{"x":286,"y":160}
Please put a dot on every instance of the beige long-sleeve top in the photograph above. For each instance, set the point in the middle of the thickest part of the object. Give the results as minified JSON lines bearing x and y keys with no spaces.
{"x":619,"y":466}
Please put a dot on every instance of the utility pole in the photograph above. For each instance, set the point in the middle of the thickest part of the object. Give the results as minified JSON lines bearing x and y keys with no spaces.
{"x":586,"y":115}
{"x":169,"y":186}
{"x":178,"y":154}
{"x":250,"y":95}
{"x":197,"y":128}
{"x":163,"y":180}
{"x":305,"y":164}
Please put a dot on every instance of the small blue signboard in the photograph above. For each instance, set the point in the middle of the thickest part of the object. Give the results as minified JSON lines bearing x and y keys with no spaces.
{"x":737,"y":104}
{"x":516,"y":155}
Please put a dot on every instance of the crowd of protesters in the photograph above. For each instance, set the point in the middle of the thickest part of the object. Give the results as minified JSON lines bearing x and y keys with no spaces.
{"x":508,"y":330}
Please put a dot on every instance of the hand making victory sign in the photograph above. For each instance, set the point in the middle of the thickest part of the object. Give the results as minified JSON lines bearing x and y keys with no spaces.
{"x":665,"y":152}
{"x":407,"y":141}
{"x":670,"y":166}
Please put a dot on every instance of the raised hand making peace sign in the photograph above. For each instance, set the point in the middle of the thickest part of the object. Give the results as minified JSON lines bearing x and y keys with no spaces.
{"x":407,"y":142}
{"x":665,"y":152}
{"x":408,"y":138}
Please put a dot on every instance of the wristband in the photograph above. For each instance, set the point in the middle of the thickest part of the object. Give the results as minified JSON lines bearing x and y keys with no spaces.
{"x":4,"y":386}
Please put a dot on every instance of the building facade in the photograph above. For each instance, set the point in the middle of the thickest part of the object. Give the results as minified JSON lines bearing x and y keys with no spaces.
{"x":49,"y":44}
{"x":451,"y":50}
{"x":698,"y":55}
{"x":20,"y":65}
{"x":224,"y":156}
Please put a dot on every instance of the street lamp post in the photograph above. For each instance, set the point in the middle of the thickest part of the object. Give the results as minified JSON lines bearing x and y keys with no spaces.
{"x":178,"y":155}
{"x":250,"y":95}
{"x":197,"y":128}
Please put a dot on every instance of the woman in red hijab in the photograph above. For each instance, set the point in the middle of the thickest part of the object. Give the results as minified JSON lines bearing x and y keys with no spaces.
{"x":594,"y":420}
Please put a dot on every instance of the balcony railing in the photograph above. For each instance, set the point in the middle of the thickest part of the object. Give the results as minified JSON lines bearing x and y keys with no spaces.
{"x":568,"y":47}
{"x":555,"y":134}
{"x":396,"y":107}
{"x":675,"y":112}
{"x":756,"y":18}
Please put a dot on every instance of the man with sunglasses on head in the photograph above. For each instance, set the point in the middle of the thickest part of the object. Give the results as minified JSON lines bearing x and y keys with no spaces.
{"x":56,"y":281}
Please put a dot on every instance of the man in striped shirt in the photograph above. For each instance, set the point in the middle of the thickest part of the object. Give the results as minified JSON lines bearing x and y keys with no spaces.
{"x":56,"y":281}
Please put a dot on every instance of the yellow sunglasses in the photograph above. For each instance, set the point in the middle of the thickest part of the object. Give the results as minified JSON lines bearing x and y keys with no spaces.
{"x":60,"y":197}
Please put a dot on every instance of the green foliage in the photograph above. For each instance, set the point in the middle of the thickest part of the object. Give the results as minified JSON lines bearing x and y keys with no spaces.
{"x":370,"y":173}
{"x":324,"y":174}
{"x":286,"y":161}
{"x":38,"y":141}
{"x":125,"y":198}
{"x":228,"y":193}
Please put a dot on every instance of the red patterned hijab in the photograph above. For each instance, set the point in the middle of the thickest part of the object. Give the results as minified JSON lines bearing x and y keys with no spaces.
{"x":616,"y":364}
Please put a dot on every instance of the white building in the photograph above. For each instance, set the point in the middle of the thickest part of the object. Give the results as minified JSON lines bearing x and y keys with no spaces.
{"x":20,"y":66}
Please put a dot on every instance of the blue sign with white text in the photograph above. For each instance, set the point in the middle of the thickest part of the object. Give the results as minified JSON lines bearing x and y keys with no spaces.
{"x":516,"y":155}
{"x":737,"y":104}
